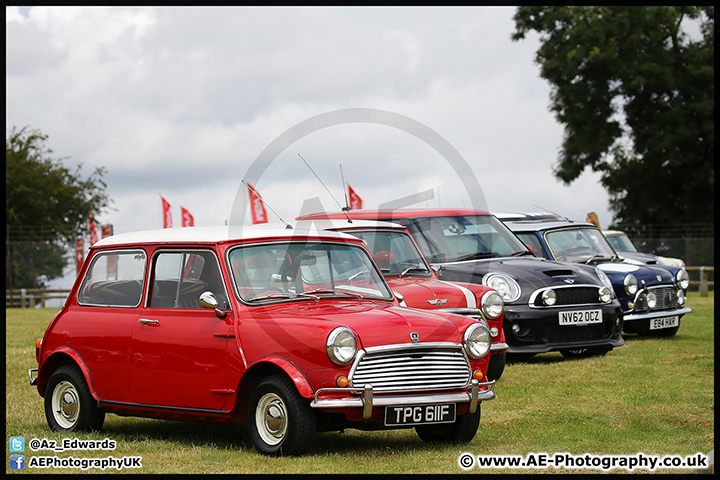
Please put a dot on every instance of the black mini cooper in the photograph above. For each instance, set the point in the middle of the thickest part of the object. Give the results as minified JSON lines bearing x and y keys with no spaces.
{"x":549,"y":306}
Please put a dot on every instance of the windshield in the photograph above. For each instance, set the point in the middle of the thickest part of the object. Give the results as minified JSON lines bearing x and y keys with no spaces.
{"x":578,"y":244}
{"x":621,"y":243}
{"x":298,"y":270}
{"x":463,"y":237}
{"x":394,"y":252}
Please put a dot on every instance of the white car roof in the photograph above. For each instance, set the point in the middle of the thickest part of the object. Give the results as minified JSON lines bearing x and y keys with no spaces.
{"x":214,"y":234}
{"x":325,"y":224}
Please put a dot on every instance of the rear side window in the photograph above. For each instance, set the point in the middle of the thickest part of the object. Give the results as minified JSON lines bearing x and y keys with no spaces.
{"x":114,"y":279}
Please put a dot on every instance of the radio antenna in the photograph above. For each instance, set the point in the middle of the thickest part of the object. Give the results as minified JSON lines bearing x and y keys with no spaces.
{"x":550,"y":211}
{"x":326,"y":188}
{"x":287,"y":225}
{"x":347,"y":203}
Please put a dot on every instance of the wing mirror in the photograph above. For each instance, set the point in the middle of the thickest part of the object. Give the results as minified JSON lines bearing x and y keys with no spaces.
{"x":208,"y":300}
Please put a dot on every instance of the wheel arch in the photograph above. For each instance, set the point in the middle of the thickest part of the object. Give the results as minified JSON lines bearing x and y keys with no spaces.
{"x":60,"y":357}
{"x":264,"y":368}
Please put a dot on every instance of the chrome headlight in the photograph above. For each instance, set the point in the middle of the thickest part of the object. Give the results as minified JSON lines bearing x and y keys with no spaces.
{"x":680,"y":297}
{"x":683,"y":279}
{"x":605,"y":295}
{"x":341,"y":346}
{"x":651,"y":300}
{"x":604,"y":279}
{"x":477,"y":340}
{"x":508,"y":288}
{"x":492,"y":304}
{"x":549,"y":298}
{"x":631,"y":284}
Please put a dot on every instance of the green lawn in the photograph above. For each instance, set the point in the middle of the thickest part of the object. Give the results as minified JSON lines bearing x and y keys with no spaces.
{"x":653,"y":396}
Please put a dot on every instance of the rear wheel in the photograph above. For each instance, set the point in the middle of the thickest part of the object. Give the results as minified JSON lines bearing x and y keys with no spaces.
{"x":461,"y":430}
{"x":280,"y":421}
{"x":69,"y":406}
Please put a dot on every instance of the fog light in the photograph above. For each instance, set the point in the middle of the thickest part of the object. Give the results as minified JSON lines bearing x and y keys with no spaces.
{"x":549,"y":298}
{"x":494,"y":332}
{"x":478,"y":375}
{"x":515,"y":328}
{"x":651,"y":300}
{"x":342,"y":382}
{"x":680,"y":297}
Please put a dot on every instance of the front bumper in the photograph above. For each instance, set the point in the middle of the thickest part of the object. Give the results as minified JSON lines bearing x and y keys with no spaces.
{"x":367,"y":399}
{"x":633,"y":317}
{"x":539,"y":330}
{"x":33,"y":380}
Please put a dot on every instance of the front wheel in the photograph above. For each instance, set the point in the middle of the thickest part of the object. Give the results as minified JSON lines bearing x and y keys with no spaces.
{"x":461,"y":430}
{"x":496,"y":366}
{"x":69,"y":406}
{"x":280,"y":421}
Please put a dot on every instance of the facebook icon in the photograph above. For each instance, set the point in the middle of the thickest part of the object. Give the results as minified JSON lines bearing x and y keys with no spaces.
{"x":17,"y":462}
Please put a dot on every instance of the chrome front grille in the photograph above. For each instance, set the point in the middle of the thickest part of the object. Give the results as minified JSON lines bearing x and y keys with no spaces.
{"x":568,"y":295}
{"x":412,"y":367}
{"x":666,"y":298}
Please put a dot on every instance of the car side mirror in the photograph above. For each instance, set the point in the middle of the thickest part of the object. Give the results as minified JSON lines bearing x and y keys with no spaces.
{"x":208,"y":300}
{"x":437,"y":269}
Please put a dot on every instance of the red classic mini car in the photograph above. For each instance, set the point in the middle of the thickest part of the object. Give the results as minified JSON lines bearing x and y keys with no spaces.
{"x":287,"y":332}
{"x":410,"y":276}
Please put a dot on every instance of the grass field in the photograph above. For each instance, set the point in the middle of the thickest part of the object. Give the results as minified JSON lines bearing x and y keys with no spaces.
{"x":653,"y":396}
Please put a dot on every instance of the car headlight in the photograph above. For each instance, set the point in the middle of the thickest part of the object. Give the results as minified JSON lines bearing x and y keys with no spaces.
{"x":549,"y":298}
{"x":605,"y":295}
{"x":341,"y":346}
{"x":477,"y":340}
{"x":508,"y":288}
{"x":680,"y":297}
{"x":651,"y":300}
{"x":604,"y":279}
{"x":492,"y":304}
{"x":683,"y":279}
{"x":631,"y":284}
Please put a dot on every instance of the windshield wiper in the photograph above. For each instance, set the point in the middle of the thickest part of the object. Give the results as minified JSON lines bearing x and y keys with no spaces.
{"x":598,"y":256}
{"x":269,"y":295}
{"x":355,"y":295}
{"x":413,"y":268}
{"x":477,"y":255}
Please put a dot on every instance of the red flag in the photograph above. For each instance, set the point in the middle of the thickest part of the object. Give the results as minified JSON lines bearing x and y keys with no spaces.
{"x":257,"y":208}
{"x":93,"y":231}
{"x":167,"y":216}
{"x":79,"y":255}
{"x":355,"y":200}
{"x":187,"y":218}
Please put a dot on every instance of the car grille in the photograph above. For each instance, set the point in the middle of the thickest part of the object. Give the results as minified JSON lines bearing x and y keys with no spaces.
{"x":574,"y":295}
{"x":558,"y":334}
{"x":666,"y":299}
{"x":412,"y":368}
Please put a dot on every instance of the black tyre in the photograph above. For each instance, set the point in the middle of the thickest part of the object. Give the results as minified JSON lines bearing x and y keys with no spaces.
{"x":69,"y":406}
{"x":280,"y":421}
{"x":585,"y":352}
{"x":461,"y":430}
{"x":496,"y":366}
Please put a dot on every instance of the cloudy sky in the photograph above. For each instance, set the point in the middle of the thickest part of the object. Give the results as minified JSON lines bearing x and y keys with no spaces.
{"x":181,"y":102}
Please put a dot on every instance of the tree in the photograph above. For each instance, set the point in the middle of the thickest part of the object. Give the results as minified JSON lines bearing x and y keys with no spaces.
{"x":636,"y":97}
{"x":47,"y":207}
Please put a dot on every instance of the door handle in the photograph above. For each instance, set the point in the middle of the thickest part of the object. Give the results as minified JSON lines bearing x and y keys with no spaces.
{"x":147,"y":321}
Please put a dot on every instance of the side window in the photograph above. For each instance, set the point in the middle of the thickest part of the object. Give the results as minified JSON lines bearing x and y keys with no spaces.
{"x":534,"y":243}
{"x":179,"y":278}
{"x":114,"y":279}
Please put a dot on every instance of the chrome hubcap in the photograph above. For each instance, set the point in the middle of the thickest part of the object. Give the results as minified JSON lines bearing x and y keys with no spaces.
{"x":66,"y":404}
{"x":271,"y":419}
